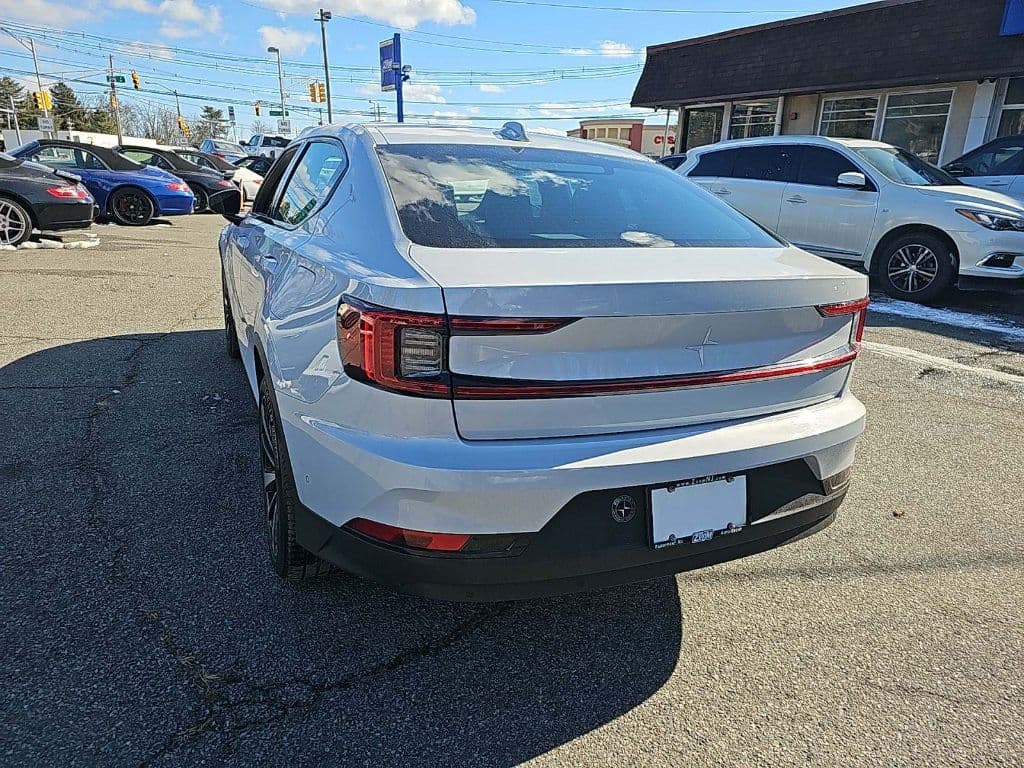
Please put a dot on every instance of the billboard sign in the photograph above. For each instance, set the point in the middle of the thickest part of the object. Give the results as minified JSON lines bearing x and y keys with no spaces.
{"x":389,"y":56}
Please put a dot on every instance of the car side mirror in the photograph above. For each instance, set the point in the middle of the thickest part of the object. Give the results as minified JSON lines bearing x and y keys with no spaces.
{"x":958,"y":169}
{"x":234,"y":218}
{"x":852,"y":179}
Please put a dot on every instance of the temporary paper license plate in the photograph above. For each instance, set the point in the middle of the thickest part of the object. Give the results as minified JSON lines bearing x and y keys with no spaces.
{"x":697,"y":510}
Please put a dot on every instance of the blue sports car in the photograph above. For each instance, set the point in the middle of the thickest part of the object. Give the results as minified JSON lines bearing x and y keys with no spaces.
{"x":127,"y":192}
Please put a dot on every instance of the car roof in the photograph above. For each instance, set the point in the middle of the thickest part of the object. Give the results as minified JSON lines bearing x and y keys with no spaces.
{"x":409,"y":133}
{"x":802,"y":139}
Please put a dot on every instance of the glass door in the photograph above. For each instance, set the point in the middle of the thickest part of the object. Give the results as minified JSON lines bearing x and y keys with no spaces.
{"x":703,"y":126}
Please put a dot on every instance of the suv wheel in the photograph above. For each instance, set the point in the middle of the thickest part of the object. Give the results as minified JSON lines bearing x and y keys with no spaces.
{"x":916,"y":267}
{"x":289,"y":560}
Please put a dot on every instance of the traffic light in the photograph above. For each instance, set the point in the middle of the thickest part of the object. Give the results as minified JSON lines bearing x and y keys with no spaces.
{"x":113,"y":100}
{"x":37,"y":97}
{"x":183,"y":127}
{"x":312,"y":92}
{"x":135,"y":80}
{"x":47,"y":100}
{"x":321,"y":91}
{"x":257,"y":105}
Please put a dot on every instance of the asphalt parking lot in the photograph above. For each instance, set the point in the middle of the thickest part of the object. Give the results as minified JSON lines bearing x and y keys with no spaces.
{"x":141,"y":624}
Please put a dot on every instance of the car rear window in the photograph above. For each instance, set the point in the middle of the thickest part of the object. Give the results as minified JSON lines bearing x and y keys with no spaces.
{"x":491,"y":196}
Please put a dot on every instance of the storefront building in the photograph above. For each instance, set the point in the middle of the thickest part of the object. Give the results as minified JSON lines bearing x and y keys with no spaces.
{"x":654,"y":141}
{"x":937,"y":77}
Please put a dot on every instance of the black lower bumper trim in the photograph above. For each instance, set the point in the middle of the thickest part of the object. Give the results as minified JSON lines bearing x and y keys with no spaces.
{"x":581,"y":548}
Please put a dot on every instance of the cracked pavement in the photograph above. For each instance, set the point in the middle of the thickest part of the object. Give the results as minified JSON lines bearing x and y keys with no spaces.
{"x":142,"y":626}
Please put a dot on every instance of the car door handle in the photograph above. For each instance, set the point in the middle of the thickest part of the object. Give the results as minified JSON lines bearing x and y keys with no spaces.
{"x":721,"y":192}
{"x":796,"y":199}
{"x":996,"y":183}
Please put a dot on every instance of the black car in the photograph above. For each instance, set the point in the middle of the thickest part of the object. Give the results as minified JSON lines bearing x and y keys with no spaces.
{"x":206,"y":160}
{"x":256,"y":163}
{"x":213,"y":192}
{"x":34,"y":196}
{"x":673,"y":161}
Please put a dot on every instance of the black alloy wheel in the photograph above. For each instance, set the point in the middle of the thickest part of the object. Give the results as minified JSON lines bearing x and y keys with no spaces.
{"x":131,"y":207}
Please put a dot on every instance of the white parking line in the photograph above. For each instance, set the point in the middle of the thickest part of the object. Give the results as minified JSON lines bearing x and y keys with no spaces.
{"x":912,"y":355}
{"x":970,"y":320}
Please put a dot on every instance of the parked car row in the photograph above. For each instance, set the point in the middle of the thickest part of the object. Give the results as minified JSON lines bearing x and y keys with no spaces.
{"x":915,"y":227}
{"x":54,"y":184}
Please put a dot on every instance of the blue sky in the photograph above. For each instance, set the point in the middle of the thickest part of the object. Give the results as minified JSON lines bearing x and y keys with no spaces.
{"x":473,"y":60}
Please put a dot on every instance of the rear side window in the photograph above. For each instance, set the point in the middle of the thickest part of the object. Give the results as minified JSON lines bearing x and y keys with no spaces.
{"x":715,"y":163}
{"x":821,"y":167}
{"x":1005,"y":158}
{"x":766,"y":163}
{"x":323,"y":163}
{"x":497,"y":196}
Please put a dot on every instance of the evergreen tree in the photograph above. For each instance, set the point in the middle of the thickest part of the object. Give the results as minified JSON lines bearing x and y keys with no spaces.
{"x":210,"y":125}
{"x":26,"y":108}
{"x":68,"y":111}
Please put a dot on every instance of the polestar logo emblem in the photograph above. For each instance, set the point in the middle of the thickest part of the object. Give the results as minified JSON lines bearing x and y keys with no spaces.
{"x":699,"y":348}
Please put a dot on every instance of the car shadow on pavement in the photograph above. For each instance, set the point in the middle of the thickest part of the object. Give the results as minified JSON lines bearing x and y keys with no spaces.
{"x":150,"y":629}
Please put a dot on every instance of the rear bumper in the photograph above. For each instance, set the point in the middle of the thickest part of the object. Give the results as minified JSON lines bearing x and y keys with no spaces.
{"x":61,"y":216}
{"x":582,"y":547}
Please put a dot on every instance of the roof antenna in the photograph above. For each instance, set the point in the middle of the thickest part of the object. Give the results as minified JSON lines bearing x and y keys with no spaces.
{"x":512,"y":131}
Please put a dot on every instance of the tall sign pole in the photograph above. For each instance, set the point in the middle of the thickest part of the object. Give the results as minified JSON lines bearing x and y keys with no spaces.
{"x":323,"y":18}
{"x":400,"y":108}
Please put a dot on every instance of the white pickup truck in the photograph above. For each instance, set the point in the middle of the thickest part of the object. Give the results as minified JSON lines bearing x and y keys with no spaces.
{"x":265,"y":145}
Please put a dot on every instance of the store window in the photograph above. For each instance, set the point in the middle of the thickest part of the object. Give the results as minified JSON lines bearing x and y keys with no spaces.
{"x":1011,"y":121}
{"x":852,"y":118}
{"x":703,"y":126}
{"x":916,"y":122}
{"x":602,"y":133}
{"x":753,"y":118}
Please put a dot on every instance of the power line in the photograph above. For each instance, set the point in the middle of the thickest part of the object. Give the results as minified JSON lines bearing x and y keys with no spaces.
{"x":634,"y":9}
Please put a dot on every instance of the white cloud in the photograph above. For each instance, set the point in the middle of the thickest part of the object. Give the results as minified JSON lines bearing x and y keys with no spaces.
{"x":179,"y":18}
{"x":39,"y":10}
{"x":608,"y":48}
{"x":412,"y":91}
{"x":405,"y":14}
{"x":449,"y":117}
{"x":615,"y":50}
{"x":291,"y":42}
{"x":491,"y":88}
{"x":139,"y":49}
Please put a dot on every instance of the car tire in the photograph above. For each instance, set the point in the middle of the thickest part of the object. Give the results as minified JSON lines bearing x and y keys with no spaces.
{"x":230,"y":331}
{"x":917,"y":266}
{"x":202,"y":201}
{"x":280,"y":499}
{"x":15,"y":222}
{"x":131,"y":207}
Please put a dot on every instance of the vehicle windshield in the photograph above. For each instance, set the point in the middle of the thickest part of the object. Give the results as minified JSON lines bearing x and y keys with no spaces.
{"x":904,"y":167}
{"x":225,"y":146}
{"x":483,"y":196}
{"x":275,"y":141}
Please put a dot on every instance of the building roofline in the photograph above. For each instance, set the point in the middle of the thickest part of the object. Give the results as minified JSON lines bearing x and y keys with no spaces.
{"x":824,"y":15}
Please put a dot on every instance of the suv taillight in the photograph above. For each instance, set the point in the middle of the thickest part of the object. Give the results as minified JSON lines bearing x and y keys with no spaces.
{"x":392,"y":349}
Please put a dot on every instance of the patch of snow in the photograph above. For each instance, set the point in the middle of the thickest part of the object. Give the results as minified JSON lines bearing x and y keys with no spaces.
{"x":969,"y":320}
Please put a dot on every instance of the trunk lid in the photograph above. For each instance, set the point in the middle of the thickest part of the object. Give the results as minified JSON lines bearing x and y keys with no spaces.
{"x":652,"y":331}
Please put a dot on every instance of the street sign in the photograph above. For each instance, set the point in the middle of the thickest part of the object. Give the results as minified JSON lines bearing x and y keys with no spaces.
{"x":277,"y":113}
{"x":284,"y":126}
{"x":115,"y":79}
{"x":388,"y":56}
{"x":45,"y":124}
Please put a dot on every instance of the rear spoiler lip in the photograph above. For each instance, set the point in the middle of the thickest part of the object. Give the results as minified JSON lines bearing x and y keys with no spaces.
{"x":68,"y":176}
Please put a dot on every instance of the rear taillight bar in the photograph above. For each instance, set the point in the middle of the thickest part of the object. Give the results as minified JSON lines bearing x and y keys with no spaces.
{"x":858,"y":307}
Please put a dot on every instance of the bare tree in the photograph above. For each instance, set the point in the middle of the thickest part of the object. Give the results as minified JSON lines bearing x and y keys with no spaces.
{"x":153,"y":122}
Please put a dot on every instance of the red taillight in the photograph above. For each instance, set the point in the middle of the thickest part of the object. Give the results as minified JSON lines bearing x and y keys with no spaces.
{"x":404,"y":537}
{"x":179,"y":186}
{"x":218,"y":154}
{"x":858,"y":308}
{"x":225,"y":183}
{"x":72,"y":192}
{"x":400,"y":351}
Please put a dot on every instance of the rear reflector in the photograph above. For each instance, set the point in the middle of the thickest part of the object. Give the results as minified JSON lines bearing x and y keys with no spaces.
{"x":404,"y":537}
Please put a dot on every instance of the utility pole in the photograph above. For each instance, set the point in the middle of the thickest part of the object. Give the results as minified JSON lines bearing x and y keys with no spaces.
{"x":399,"y":77}
{"x":31,"y":46}
{"x":323,"y":18}
{"x":113,"y":101}
{"x":14,"y":111}
{"x":280,"y":78}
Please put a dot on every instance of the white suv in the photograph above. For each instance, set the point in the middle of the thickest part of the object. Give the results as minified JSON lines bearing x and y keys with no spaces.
{"x":907,"y":222}
{"x":491,"y":365}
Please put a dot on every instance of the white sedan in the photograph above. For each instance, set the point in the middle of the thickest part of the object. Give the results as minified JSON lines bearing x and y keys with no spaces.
{"x":249,"y":176}
{"x":491,"y":365}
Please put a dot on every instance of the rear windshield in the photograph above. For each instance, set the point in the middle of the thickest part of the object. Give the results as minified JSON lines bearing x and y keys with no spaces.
{"x":482,"y":196}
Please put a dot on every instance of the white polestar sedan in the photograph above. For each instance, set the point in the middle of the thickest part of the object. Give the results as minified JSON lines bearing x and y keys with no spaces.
{"x":492,"y":365}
